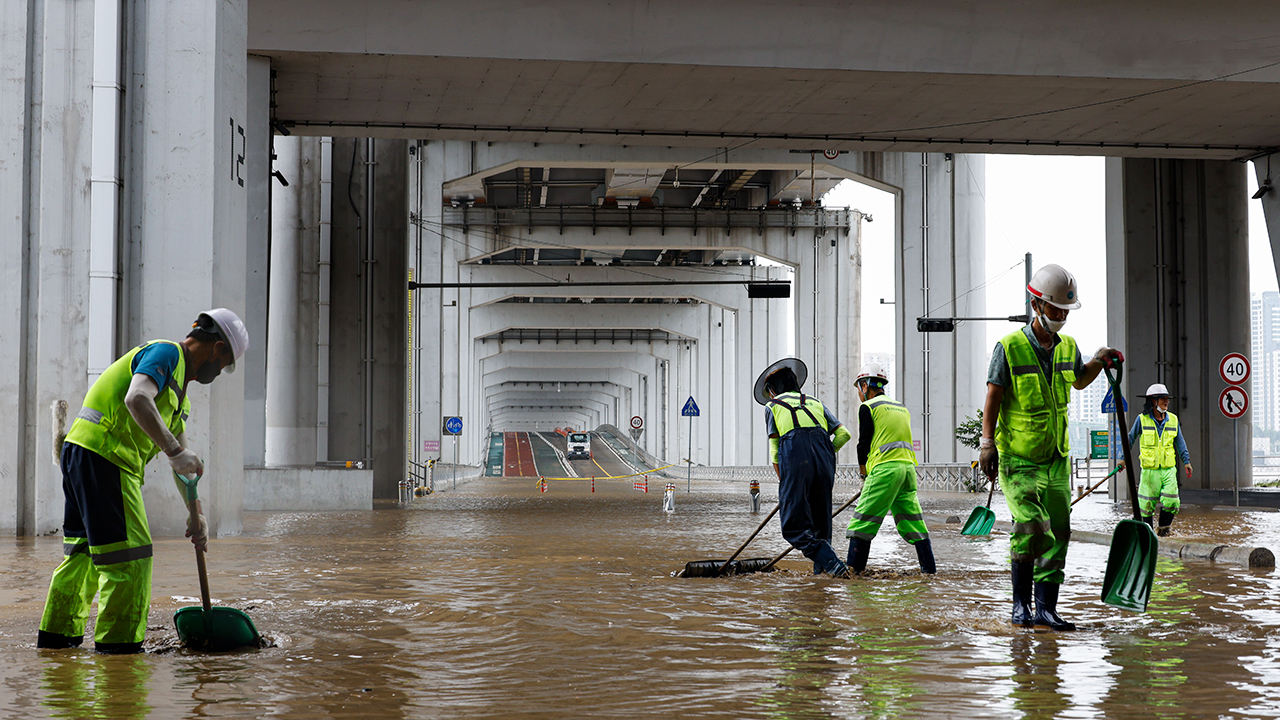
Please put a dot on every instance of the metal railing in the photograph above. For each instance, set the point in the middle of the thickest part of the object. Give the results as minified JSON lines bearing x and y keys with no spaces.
{"x":936,"y":477}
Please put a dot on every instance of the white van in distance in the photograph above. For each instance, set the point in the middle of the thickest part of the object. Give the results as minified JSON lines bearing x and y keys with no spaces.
{"x":579,"y":446}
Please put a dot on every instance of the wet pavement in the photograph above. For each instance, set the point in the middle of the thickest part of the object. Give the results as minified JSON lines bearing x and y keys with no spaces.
{"x":496,"y":600}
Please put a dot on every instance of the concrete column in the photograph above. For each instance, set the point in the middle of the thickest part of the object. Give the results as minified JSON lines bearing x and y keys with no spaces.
{"x":354,"y":393}
{"x":291,"y":359}
{"x":190,"y":168}
{"x":940,"y":258}
{"x":1178,"y":297}
{"x":16,"y":129}
{"x":47,"y":50}
{"x":257,"y":130}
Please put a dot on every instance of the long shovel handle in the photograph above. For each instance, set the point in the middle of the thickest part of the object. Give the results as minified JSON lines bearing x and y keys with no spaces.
{"x":1124,"y":431}
{"x":1095,"y":487}
{"x":192,"y":495}
{"x":992,"y":482}
{"x":839,"y":510}
{"x":744,"y":545}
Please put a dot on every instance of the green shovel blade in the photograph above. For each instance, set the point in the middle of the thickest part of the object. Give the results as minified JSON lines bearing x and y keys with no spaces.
{"x":980,"y":522}
{"x":1131,"y":566}
{"x":219,"y":629}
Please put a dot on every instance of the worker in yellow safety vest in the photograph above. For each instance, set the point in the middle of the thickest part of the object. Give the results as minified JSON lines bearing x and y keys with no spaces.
{"x":1161,"y":449}
{"x":1025,"y":442}
{"x":887,"y":459}
{"x":137,"y":408}
{"x":803,"y":439}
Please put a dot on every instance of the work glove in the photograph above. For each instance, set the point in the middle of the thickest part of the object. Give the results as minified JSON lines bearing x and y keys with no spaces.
{"x":185,"y":462}
{"x":989,"y":461}
{"x":1105,"y":352}
{"x":1188,"y":467}
{"x":198,"y":532}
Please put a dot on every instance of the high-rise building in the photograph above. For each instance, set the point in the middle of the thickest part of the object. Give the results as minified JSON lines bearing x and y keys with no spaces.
{"x":1265,"y":378}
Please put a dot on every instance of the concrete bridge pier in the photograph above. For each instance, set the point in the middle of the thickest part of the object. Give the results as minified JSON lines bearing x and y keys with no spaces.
{"x":1178,"y":298}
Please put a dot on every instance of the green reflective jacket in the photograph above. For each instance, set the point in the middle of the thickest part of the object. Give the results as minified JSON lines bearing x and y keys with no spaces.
{"x":105,"y":426}
{"x":1157,"y":447}
{"x":1033,"y":413}
{"x":891,"y":439}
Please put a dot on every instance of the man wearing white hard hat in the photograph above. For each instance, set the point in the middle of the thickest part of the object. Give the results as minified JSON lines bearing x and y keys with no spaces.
{"x":803,"y":439}
{"x":887,"y":459}
{"x":137,"y":408}
{"x":1025,"y":442}
{"x":1162,"y":448}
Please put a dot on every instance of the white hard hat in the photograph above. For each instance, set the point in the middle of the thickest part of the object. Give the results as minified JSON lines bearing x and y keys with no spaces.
{"x":1157,"y":390}
{"x":1055,"y":286}
{"x":232,"y":330}
{"x":873,"y":371}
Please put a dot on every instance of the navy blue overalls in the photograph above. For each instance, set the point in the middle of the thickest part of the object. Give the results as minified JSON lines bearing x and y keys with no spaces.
{"x":806,"y":477}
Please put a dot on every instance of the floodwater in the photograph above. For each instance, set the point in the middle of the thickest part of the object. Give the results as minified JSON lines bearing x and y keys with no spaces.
{"x":497,"y":600}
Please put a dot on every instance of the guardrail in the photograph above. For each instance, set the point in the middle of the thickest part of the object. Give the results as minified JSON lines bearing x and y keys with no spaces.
{"x":937,"y":477}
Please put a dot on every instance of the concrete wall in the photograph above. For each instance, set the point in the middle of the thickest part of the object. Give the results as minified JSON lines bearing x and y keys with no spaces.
{"x":307,"y":489}
{"x":1178,"y":297}
{"x":348,"y":431}
{"x":940,"y":253}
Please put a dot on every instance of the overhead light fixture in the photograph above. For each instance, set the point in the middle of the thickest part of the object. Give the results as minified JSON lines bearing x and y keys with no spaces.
{"x":1263,"y":189}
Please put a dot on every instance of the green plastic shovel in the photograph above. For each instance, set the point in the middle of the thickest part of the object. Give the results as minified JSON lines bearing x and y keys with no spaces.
{"x":1131,"y":565}
{"x":211,"y":628}
{"x":981,"y":520}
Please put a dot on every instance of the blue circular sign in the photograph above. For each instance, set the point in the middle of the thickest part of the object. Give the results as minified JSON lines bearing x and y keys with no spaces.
{"x":453,"y":425}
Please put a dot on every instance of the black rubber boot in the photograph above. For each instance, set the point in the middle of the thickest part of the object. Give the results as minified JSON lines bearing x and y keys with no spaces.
{"x":1150,"y":520}
{"x":1022,"y":611}
{"x":924,"y":553}
{"x":117,"y":648}
{"x":54,"y":641}
{"x":1047,"y":608}
{"x":859,"y":550}
{"x":1166,"y":522}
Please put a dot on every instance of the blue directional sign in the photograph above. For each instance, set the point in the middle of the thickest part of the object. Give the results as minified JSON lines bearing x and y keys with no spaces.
{"x":1109,"y":404}
{"x":690,"y":408}
{"x":453,"y":425}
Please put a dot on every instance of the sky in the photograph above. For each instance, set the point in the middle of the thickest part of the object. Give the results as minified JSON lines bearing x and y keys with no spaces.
{"x":1050,"y":206}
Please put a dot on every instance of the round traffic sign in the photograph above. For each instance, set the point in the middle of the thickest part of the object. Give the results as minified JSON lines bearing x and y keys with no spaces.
{"x":831,"y":154}
{"x":453,"y":425}
{"x":1234,"y":369}
{"x":1233,"y":402}
{"x":637,"y":422}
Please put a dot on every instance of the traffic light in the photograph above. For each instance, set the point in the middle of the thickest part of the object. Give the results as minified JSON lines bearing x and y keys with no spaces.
{"x":935,"y":325}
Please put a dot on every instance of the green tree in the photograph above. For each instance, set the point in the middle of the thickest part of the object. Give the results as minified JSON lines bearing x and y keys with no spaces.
{"x":970,"y":431}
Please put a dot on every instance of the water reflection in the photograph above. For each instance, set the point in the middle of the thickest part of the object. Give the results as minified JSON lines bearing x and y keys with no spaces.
{"x":505,"y":602}
{"x":82,"y":685}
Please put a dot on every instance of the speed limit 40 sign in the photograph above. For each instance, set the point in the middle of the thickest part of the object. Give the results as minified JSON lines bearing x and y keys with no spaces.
{"x":1234,"y":369}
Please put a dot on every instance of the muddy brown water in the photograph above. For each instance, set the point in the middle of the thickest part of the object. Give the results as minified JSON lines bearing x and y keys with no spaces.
{"x":496,"y":600}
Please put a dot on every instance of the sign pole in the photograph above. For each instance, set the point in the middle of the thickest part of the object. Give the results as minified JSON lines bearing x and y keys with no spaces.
{"x":455,"y":462}
{"x":1235,"y":447}
{"x":688,"y":482}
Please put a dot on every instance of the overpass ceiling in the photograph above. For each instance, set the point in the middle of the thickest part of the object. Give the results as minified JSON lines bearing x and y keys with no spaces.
{"x":584,"y":335}
{"x":621,"y":103}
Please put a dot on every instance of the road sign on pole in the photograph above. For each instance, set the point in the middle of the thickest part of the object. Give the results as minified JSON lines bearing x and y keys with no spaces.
{"x":690,"y":411}
{"x":1109,"y":404}
{"x":1233,"y":402}
{"x":637,"y":422}
{"x":452,"y":425}
{"x":1234,"y":369}
{"x":690,"y":408}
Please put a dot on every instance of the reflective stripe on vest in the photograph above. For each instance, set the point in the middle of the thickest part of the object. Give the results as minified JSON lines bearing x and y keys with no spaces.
{"x":891,"y":437}
{"x":786,"y":417}
{"x":105,"y":426}
{"x":1033,"y":412}
{"x":1157,"y":447}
